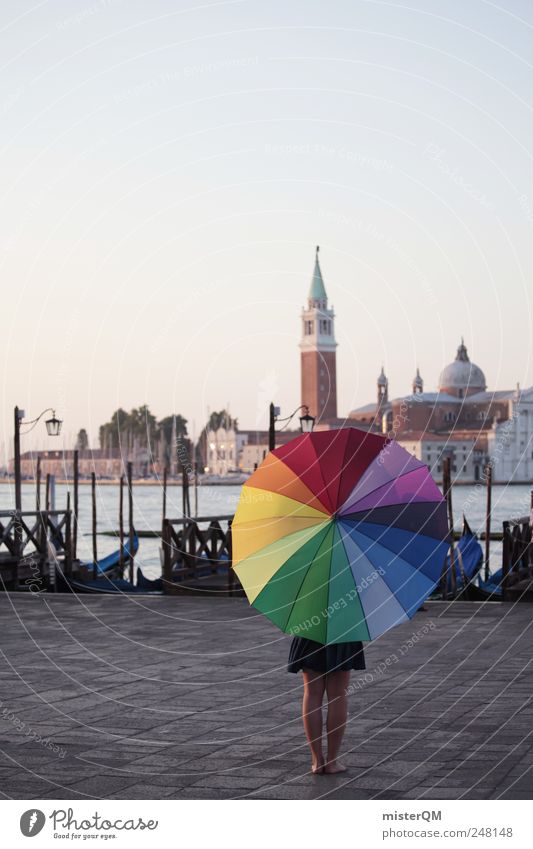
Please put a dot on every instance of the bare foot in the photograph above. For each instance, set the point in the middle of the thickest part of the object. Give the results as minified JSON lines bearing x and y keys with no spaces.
{"x":317,"y":767}
{"x":333,"y":767}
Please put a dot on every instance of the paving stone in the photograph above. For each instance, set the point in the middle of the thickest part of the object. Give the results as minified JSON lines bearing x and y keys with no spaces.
{"x":205,"y":721}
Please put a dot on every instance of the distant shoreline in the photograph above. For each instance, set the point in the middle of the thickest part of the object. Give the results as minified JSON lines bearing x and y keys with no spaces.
{"x":116,"y":482}
{"x":159,"y":482}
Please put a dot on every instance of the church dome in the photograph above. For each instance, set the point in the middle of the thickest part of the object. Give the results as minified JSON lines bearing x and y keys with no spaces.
{"x":462,"y":377}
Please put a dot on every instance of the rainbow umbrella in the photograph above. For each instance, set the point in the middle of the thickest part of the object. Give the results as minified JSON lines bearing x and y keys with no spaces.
{"x":339,"y":535}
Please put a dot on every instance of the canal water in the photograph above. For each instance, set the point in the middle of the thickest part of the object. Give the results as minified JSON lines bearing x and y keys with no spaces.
{"x":507,"y":502}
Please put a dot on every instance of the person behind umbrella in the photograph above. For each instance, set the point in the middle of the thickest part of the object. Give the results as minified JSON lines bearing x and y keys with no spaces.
{"x":326,"y":671}
{"x":338,"y":536}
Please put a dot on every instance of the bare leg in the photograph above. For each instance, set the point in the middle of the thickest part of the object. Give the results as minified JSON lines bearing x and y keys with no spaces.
{"x":314,"y":686}
{"x":336,"y":686}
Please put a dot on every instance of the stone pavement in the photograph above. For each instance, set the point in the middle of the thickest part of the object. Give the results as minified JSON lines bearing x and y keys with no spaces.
{"x":188,"y":698}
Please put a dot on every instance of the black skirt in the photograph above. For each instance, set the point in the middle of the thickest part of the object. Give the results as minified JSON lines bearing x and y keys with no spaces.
{"x":306,"y":654}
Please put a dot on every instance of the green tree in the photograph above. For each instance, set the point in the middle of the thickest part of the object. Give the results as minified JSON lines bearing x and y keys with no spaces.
{"x":164,"y":426}
{"x":82,"y":440}
{"x":221,"y":419}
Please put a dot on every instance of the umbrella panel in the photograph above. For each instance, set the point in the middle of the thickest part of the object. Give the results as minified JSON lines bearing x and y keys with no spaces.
{"x":278,"y":597}
{"x":261,"y":504}
{"x":422,"y":552}
{"x":410,"y":586}
{"x":256,"y":570}
{"x":273,"y":475}
{"x":346,"y":619}
{"x":382,"y":610}
{"x":390,"y":463}
{"x":407,"y":489}
{"x":252,"y":537}
{"x":429,"y":518}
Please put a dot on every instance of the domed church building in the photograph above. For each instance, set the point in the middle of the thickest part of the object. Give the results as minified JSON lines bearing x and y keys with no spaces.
{"x":461,"y":420}
{"x":462,"y":378}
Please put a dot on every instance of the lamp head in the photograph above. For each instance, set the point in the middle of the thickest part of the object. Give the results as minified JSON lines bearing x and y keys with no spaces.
{"x":53,"y":425}
{"x":307,"y":422}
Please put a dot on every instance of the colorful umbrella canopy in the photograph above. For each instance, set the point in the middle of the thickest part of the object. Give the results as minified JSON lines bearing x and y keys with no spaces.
{"x":339,"y":535}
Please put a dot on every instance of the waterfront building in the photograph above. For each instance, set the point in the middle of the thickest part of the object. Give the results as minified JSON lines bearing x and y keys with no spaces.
{"x":230,"y":450}
{"x":104,"y":464}
{"x":462,"y":420}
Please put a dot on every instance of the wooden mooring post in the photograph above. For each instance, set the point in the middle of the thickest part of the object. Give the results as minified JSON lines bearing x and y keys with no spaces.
{"x":47,"y":494}
{"x":121,"y":524}
{"x":488,"y":480}
{"x":95,"y":551}
{"x":130,"y":520}
{"x":164,"y":511}
{"x":506,"y":559}
{"x":38,"y":485}
{"x":186,"y":503}
{"x":75,"y":485}
{"x":166,"y":542}
{"x":447,"y":488}
{"x":68,"y":539}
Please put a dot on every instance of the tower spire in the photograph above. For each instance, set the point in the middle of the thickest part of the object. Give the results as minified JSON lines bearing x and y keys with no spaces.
{"x":317,"y":291}
{"x":418,"y":383}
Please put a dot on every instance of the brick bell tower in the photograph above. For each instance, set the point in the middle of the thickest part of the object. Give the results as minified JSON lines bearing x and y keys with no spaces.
{"x":318,"y":358}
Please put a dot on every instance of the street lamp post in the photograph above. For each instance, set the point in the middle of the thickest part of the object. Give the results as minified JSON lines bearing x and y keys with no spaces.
{"x":307,"y":422}
{"x":53,"y":428}
{"x":273,"y":413}
{"x":19,"y":415}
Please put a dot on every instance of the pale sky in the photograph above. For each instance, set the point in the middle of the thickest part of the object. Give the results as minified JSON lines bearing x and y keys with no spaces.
{"x":167,"y":169}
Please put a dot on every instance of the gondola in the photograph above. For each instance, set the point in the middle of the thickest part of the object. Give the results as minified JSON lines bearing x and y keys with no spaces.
{"x":104,"y":586}
{"x":468,"y":559}
{"x":106,"y":564}
{"x":490,"y":590}
{"x":107,"y":580}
